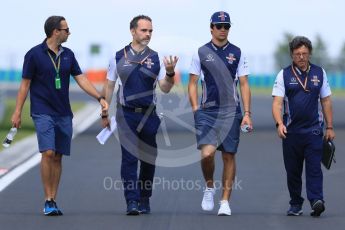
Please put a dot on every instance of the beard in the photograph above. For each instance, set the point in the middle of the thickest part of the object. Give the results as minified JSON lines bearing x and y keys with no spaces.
{"x":144,"y":42}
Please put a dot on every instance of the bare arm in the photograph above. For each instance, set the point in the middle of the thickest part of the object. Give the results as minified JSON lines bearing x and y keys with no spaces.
{"x":107,"y":92}
{"x":21,"y":97}
{"x":246,"y":101}
{"x":86,"y":85}
{"x":166,"y":84}
{"x":193,"y":91}
{"x":326,"y":104}
{"x":277,"y":106}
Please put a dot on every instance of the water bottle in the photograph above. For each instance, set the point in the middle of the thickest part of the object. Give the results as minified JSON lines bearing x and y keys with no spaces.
{"x":9,"y":138}
{"x":245,"y":129}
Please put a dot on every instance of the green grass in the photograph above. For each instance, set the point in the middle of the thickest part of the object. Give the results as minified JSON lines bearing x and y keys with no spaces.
{"x":27,"y":126}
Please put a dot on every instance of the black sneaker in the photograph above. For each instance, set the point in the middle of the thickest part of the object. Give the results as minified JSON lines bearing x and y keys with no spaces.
{"x":144,"y":206}
{"x":49,"y":208}
{"x":295,"y":210}
{"x":317,"y":208}
{"x":132,"y":208}
{"x":59,"y":213}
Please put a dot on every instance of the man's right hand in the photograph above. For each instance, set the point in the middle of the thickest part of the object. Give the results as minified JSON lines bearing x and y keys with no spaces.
{"x":16,"y":120}
{"x":105,"y":122}
{"x":281,"y":130}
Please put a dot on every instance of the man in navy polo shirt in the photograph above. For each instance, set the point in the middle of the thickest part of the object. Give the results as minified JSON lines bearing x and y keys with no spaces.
{"x":137,"y":68}
{"x":220,"y":65}
{"x":46,"y":73}
{"x":301,"y":86}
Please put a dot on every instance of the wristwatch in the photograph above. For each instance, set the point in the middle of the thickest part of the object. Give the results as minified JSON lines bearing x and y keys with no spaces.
{"x":100,"y":98}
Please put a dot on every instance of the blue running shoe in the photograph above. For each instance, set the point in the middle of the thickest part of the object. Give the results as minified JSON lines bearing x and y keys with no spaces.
{"x":317,"y":207}
{"x":295,"y":210}
{"x":59,"y":213}
{"x":144,"y":206}
{"x":132,"y":208}
{"x":49,"y":208}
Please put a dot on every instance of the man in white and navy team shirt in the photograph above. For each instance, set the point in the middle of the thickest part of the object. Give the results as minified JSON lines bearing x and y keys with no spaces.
{"x":137,"y":68}
{"x":220,"y":65}
{"x":300,"y":87}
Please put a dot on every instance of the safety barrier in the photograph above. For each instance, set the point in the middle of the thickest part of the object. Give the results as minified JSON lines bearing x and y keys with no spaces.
{"x":336,"y":80}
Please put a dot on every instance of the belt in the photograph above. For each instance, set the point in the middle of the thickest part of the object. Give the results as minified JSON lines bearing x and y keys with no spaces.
{"x":150,"y":108}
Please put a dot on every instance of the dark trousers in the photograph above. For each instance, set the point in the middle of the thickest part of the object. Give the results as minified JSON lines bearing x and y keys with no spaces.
{"x":298,"y":148}
{"x":137,"y":134}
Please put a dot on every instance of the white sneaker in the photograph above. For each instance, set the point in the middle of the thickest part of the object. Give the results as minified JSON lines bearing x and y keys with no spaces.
{"x":207,"y":203}
{"x":224,"y":209}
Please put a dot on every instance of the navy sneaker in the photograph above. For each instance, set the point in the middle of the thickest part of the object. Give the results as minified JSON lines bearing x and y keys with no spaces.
{"x":144,"y":206}
{"x":317,"y":207}
{"x":295,"y":210}
{"x":49,"y":208}
{"x":59,"y":213}
{"x":132,"y":208}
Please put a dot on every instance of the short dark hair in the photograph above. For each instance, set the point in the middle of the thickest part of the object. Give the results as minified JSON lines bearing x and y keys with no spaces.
{"x":134,"y":23}
{"x":52,"y":23}
{"x":299,"y":41}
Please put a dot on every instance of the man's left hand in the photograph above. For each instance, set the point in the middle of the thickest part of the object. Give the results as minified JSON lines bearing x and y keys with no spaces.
{"x":170,"y":63}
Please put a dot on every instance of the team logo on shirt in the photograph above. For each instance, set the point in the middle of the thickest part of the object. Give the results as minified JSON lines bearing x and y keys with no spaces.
{"x":127,"y":63}
{"x":315,"y":80}
{"x":231,"y":58}
{"x":149,"y":63}
{"x":209,"y":57}
{"x":293,"y":81}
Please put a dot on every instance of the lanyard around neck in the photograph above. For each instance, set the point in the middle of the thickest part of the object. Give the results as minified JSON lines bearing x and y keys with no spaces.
{"x":57,"y":68}
{"x":304,"y":86}
{"x":136,"y":62}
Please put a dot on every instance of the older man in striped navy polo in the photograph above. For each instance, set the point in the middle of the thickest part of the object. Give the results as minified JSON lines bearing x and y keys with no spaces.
{"x":301,"y":87}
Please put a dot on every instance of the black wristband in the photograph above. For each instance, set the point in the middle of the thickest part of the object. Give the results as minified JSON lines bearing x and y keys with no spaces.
{"x":277,"y":125}
{"x":100,"y":98}
{"x":170,"y":74}
{"x":103,"y":115}
{"x":329,"y":127}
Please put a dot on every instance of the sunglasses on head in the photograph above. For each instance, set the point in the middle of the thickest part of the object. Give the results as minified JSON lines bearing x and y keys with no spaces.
{"x":67,"y":30}
{"x":219,"y":26}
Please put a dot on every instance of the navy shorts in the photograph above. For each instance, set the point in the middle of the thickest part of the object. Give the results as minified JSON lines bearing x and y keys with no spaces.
{"x":218,"y":128}
{"x":53,"y":133}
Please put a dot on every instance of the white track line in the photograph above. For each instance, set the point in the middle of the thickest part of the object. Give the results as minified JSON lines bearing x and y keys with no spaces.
{"x":85,"y":119}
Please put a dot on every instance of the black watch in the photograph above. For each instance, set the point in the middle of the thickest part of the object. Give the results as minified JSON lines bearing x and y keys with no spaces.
{"x":170,"y":74}
{"x":100,"y":98}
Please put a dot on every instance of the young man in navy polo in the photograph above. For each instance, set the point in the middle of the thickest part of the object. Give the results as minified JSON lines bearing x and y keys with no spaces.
{"x":46,"y":73}
{"x":301,"y":87}
{"x":137,"y":68}
{"x":220,"y":65}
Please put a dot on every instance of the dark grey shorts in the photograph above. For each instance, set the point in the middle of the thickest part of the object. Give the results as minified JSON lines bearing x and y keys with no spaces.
{"x":218,"y":128}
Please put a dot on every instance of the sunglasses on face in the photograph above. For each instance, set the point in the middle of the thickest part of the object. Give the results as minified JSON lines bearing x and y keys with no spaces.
{"x":219,"y":26}
{"x":67,"y":30}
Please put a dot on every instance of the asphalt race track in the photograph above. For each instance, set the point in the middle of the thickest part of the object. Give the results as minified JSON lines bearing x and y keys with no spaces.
{"x":91,"y":197}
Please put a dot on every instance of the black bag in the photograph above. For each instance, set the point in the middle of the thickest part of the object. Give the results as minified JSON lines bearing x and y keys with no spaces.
{"x":328,"y":153}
